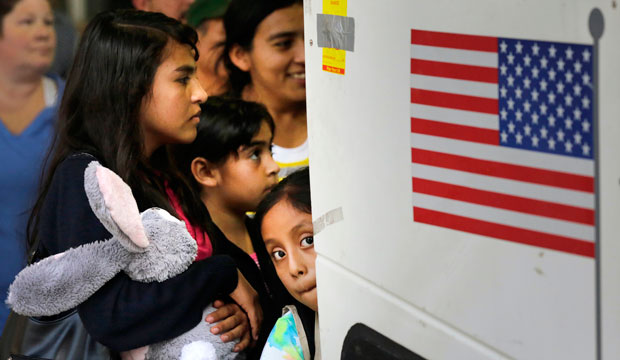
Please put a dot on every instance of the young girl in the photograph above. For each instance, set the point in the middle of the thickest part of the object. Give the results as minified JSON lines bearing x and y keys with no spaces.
{"x":285,"y":220}
{"x":264,"y":54}
{"x":132,"y":89}
{"x":228,"y":169}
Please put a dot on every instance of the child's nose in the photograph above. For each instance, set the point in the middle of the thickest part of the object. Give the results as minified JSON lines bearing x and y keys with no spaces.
{"x":297,"y":266}
{"x":272,"y":166}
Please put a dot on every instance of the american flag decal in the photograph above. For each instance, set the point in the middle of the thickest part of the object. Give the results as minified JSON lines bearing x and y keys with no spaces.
{"x":501,"y":139}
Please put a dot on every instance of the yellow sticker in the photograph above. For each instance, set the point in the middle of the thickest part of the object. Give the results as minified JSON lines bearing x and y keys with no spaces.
{"x":334,"y":59}
{"x":335,"y":7}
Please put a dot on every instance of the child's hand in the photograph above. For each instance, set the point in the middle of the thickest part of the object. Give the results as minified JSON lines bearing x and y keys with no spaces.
{"x":245,"y":295}
{"x":232,"y":323}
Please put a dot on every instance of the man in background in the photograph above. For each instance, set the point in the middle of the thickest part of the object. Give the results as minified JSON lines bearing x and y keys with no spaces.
{"x":174,"y":8}
{"x":206,"y":16}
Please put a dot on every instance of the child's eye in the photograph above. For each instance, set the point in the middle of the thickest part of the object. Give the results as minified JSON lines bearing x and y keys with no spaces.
{"x":278,"y":254}
{"x":255,"y":155}
{"x":28,"y":21}
{"x":184,"y":80}
{"x":307,"y":242}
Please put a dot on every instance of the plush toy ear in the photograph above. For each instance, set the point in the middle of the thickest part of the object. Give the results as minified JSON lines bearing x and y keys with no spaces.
{"x":63,"y":281}
{"x":114,"y":205}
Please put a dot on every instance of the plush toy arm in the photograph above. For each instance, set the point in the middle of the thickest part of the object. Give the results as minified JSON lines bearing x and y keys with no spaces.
{"x":61,"y":282}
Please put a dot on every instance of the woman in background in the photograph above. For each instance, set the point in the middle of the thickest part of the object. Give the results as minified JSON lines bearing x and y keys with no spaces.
{"x":28,"y":107}
{"x":265,"y":58}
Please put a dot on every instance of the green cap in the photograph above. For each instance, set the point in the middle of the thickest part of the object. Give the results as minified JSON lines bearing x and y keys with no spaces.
{"x":206,"y":9}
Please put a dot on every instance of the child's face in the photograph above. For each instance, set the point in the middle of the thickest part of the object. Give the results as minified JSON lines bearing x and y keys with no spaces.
{"x":248,"y":177}
{"x":170,"y":113}
{"x":288,"y":236}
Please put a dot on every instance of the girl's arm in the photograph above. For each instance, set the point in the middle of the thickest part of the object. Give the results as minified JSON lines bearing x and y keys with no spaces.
{"x":125,"y":314}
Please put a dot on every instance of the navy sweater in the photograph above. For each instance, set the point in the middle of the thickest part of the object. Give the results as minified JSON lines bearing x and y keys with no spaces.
{"x":126,"y":314}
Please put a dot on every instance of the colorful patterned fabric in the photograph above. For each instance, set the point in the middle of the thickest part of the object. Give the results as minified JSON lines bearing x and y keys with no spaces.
{"x":283,"y":341}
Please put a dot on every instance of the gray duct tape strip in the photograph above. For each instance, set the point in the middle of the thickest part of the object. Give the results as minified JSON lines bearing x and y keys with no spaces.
{"x":327,"y":219}
{"x":335,"y":31}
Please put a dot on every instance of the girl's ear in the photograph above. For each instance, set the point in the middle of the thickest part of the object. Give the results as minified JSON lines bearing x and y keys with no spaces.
{"x":240,"y":57}
{"x":205,"y":172}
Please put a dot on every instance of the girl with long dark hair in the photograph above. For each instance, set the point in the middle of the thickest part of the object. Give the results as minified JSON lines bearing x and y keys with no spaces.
{"x":132,"y":90}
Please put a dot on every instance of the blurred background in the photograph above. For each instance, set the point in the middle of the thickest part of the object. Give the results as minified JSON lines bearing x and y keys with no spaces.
{"x":80,"y":11}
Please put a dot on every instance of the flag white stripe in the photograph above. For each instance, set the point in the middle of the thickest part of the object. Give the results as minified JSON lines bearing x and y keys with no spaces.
{"x":504,"y":154}
{"x":455,"y":56}
{"x":454,"y":86}
{"x":505,"y":217}
{"x":452,"y":116}
{"x":506,"y":186}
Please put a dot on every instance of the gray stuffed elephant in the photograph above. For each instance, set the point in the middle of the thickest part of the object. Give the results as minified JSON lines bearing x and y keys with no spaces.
{"x":148,"y":246}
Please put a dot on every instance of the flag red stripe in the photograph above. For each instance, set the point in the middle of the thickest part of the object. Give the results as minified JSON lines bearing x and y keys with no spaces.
{"x":454,"y":71}
{"x":503,"y":170}
{"x":454,"y":131}
{"x":504,"y":201}
{"x":456,"y":41}
{"x":454,"y":101}
{"x":510,"y":233}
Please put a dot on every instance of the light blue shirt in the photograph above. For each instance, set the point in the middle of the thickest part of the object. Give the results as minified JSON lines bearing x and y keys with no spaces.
{"x":21,"y":159}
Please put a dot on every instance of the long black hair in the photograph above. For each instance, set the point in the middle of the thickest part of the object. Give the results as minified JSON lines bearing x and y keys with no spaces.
{"x":240,"y":22}
{"x":112,"y":74}
{"x":225,"y":125}
{"x":295,"y":188}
